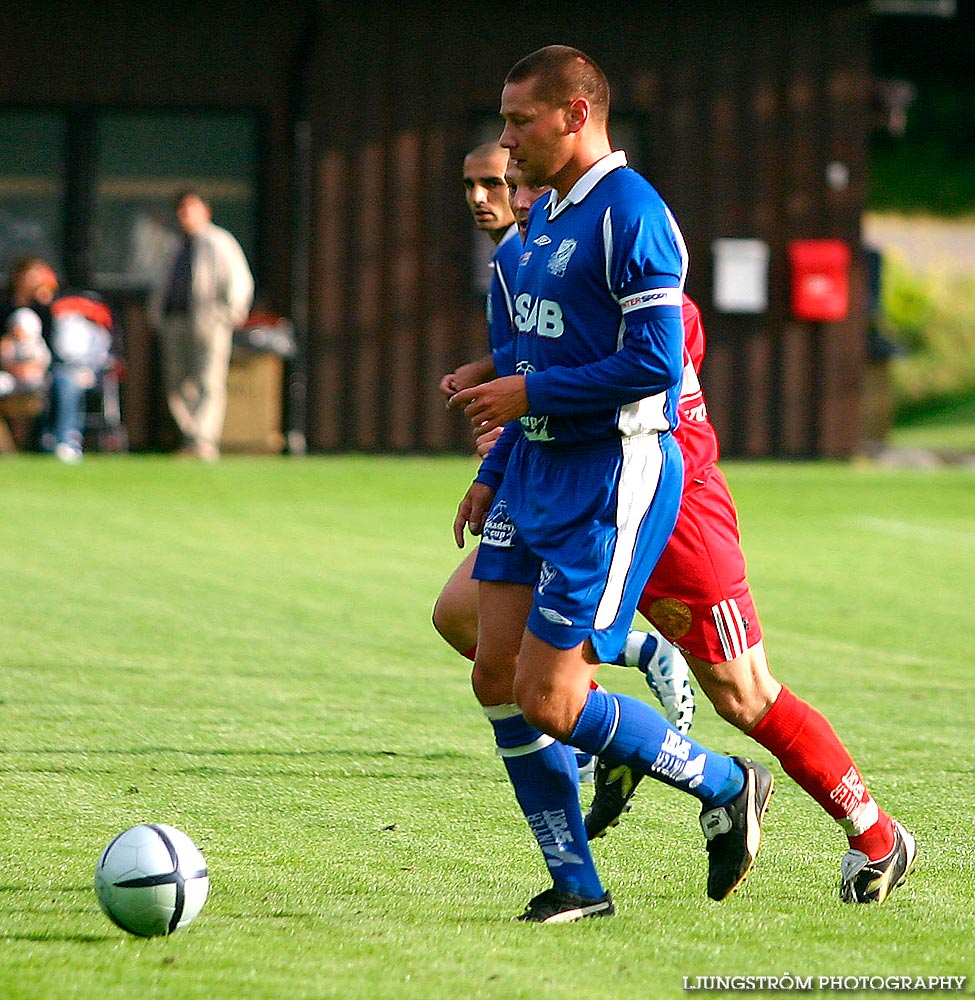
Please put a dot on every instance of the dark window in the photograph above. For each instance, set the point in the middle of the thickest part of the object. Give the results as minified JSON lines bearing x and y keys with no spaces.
{"x":32,"y":155}
{"x":103,"y":215}
{"x":143,"y":161}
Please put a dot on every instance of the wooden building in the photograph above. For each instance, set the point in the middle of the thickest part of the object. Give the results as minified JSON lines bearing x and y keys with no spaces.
{"x":330,"y":137}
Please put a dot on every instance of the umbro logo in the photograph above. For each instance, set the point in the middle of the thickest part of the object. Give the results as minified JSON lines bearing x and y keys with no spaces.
{"x":550,"y":614}
{"x":542,"y":241}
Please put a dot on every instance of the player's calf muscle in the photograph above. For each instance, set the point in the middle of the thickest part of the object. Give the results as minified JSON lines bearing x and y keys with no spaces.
{"x":742,"y":690}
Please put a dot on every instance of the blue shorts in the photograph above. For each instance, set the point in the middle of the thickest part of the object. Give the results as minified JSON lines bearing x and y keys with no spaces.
{"x":585,"y":527}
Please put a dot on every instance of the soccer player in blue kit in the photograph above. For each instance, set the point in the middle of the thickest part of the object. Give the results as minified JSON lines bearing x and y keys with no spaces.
{"x":575,"y":507}
{"x":499,"y":206}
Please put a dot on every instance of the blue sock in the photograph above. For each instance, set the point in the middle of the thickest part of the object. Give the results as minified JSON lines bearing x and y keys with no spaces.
{"x":545,"y":777}
{"x":624,"y":730}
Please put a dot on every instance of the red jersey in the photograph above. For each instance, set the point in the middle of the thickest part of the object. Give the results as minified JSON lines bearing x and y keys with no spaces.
{"x":698,"y":594}
{"x":695,"y":435}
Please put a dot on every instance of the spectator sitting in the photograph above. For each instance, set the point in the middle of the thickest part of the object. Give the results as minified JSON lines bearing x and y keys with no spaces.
{"x":24,"y":362}
{"x":24,"y":357}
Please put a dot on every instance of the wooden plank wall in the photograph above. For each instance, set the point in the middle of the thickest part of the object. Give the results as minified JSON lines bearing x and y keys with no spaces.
{"x":218,"y":54}
{"x":741,"y":107}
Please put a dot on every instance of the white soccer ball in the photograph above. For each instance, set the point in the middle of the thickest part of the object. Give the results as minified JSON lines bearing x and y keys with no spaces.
{"x":151,"y":879}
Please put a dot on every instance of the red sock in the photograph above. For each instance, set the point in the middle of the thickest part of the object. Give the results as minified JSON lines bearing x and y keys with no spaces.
{"x":812,"y":755}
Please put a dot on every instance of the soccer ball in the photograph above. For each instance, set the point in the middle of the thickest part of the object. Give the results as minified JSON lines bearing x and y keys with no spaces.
{"x":151,"y":880}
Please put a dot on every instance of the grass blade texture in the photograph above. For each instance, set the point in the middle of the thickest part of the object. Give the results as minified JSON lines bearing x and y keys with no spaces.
{"x":244,"y":651}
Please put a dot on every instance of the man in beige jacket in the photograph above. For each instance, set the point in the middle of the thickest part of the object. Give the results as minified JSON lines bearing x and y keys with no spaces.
{"x":206,"y":289}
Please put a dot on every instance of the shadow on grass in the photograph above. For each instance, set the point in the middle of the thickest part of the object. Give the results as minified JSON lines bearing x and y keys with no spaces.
{"x":354,"y":758}
{"x":53,"y":937}
{"x":61,"y":938}
{"x":184,"y":752}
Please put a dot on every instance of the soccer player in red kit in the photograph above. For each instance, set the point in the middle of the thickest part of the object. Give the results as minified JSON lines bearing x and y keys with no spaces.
{"x":698,"y":597}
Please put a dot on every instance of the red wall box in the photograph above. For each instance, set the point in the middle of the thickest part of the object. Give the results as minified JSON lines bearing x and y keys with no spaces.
{"x":820,"y":279}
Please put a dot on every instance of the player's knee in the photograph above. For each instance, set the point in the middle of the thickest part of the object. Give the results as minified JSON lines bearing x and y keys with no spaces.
{"x":546,"y":718}
{"x":453,"y":627}
{"x":441,"y":621}
{"x":490,"y":687}
{"x":546,"y":710}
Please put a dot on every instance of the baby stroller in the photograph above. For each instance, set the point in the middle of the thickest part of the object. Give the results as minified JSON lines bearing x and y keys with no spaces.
{"x":86,"y":370}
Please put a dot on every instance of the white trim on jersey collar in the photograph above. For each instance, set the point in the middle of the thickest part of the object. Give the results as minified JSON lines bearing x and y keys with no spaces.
{"x":512,"y":230}
{"x":585,"y":184}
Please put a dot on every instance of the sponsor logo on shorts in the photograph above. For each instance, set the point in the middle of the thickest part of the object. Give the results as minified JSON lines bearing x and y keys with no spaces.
{"x":498,"y":529}
{"x":672,"y":617}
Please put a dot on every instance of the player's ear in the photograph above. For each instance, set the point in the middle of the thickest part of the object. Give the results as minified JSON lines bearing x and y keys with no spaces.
{"x":577,"y":114}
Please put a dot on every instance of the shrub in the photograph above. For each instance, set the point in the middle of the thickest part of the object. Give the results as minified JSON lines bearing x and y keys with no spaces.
{"x":932,"y":313}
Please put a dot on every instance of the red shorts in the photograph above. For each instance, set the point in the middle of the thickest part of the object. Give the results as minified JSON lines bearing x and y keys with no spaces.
{"x":698,"y":595}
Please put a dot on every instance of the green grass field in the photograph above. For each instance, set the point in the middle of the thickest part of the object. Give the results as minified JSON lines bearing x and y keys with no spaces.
{"x":244,"y":651}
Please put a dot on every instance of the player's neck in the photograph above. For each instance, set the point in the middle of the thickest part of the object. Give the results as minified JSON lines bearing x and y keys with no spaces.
{"x":584,"y":157}
{"x":497,"y":235}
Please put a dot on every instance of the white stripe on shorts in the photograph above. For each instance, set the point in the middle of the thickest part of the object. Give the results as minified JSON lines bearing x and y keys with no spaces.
{"x":637,"y":486}
{"x":731,"y":628}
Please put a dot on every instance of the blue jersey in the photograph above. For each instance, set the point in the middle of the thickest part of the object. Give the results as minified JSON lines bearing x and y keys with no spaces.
{"x":597,"y":310}
{"x":504,"y":264}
